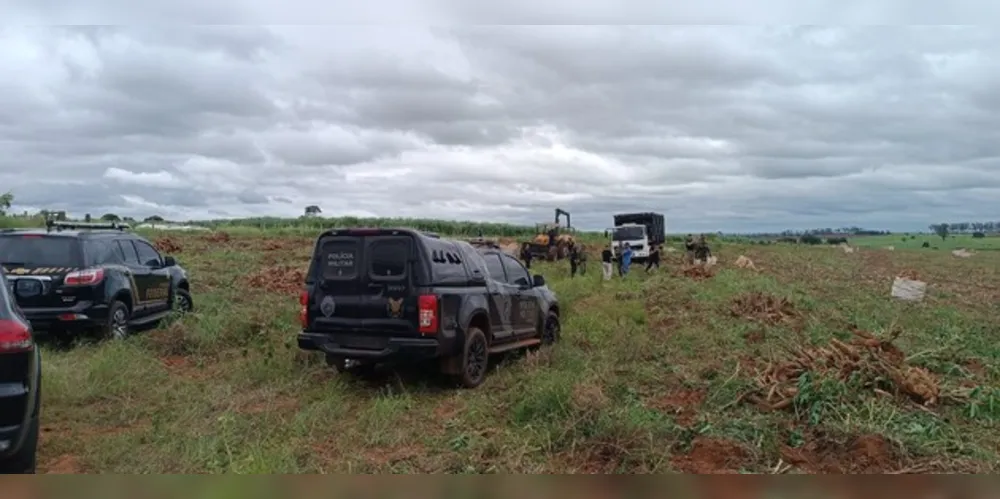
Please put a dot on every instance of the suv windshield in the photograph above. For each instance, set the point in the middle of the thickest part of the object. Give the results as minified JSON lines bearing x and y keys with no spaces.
{"x":629,"y":233}
{"x":33,"y":250}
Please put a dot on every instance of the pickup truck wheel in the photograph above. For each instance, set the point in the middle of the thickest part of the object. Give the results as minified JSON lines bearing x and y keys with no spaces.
{"x":551,"y":329}
{"x":182,"y":301}
{"x":475,"y":359}
{"x":117,"y":325}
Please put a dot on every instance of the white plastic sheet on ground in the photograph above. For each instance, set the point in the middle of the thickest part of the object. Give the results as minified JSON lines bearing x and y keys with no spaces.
{"x":962,"y":253}
{"x":908,"y":289}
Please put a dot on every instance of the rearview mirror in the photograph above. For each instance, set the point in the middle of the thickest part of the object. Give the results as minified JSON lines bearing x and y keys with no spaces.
{"x":538,"y":281}
{"x":168,"y":261}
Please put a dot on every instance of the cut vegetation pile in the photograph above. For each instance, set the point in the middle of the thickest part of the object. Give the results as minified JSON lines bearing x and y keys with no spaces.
{"x":284,"y":279}
{"x":698,"y":272}
{"x":167,"y":245}
{"x":762,"y":307}
{"x":873,"y":363}
{"x":218,"y":237}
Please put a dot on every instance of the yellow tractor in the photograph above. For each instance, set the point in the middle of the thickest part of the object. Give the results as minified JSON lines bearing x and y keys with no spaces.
{"x":552,"y":240}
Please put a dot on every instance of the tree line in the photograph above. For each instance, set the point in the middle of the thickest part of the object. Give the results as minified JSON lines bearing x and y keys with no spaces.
{"x":311,"y":218}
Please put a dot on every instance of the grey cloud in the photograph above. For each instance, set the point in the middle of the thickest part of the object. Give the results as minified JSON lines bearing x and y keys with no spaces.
{"x":250,"y":197}
{"x":721,"y":128}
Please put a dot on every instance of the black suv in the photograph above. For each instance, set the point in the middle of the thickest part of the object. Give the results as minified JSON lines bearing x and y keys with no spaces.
{"x":374,"y":295}
{"x":76,"y":277}
{"x":20,"y":381}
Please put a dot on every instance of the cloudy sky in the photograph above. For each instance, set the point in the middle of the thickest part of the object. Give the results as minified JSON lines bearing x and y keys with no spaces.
{"x":722,"y":128}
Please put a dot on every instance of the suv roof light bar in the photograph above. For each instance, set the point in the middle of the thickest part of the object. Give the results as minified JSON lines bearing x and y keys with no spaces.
{"x":59,"y":225}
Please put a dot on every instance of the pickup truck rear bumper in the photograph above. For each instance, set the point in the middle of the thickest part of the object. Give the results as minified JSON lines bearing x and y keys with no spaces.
{"x":370,"y":347}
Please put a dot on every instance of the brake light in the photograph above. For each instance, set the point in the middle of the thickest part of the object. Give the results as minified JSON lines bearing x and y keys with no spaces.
{"x":363,"y":232}
{"x":84,"y":277}
{"x":304,"y":310}
{"x":33,"y":236}
{"x":14,"y":337}
{"x":427,"y":305}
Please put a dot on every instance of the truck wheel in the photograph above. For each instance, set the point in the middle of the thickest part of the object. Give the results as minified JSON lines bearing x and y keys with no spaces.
{"x":182,"y":301}
{"x":551,"y":329}
{"x":116,"y":327}
{"x":475,"y":359}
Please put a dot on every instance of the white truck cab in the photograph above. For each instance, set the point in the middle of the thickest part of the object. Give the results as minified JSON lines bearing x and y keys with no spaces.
{"x":635,"y":236}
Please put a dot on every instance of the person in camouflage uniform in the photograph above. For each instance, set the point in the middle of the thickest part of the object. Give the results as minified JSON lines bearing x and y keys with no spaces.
{"x":574,"y":259}
{"x":689,"y":247}
{"x":701,"y":250}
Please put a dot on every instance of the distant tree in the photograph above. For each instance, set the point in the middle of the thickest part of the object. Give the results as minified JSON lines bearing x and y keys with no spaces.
{"x":940,"y":230}
{"x":110,"y":217}
{"x":313,"y":210}
{"x":6,"y":200}
{"x":86,"y":218}
{"x":154,"y":218}
{"x":978,"y":235}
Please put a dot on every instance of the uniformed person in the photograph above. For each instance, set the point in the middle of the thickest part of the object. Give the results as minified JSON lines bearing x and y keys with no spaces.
{"x":689,"y":247}
{"x":654,"y":258}
{"x":526,"y":254}
{"x":701,"y":250}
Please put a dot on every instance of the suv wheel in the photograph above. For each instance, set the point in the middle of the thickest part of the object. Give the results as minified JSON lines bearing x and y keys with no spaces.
{"x":551,"y":329}
{"x":24,"y":461}
{"x":182,"y":301}
{"x":117,"y":326}
{"x":475,"y":359}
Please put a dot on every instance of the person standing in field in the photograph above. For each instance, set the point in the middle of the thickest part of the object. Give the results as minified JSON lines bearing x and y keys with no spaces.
{"x":701,"y":249}
{"x":574,"y":259}
{"x":606,"y":259}
{"x":689,"y":248}
{"x":626,"y":259}
{"x":526,"y":255}
{"x":654,"y":258}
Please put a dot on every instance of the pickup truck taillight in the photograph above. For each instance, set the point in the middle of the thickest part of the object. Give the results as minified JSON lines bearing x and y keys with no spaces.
{"x":304,"y":310}
{"x":14,"y":337}
{"x":427,"y":307}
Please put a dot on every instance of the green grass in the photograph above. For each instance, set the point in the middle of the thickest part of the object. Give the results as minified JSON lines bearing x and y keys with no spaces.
{"x":652,"y":375}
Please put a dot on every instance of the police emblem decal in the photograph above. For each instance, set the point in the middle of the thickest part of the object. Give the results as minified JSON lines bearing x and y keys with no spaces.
{"x":395,"y":307}
{"x":328,"y":306}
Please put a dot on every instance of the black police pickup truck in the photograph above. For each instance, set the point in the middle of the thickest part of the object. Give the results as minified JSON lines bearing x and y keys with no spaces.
{"x":375,"y":295}
{"x":74,"y":277}
{"x":20,"y":382}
